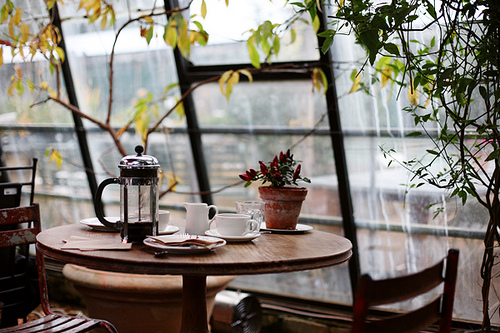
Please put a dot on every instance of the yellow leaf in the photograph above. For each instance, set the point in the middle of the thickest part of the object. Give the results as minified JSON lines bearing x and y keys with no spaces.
{"x":121,"y":131}
{"x":316,"y":24}
{"x":179,"y":109}
{"x":183,"y":42}
{"x":247,"y":74}
{"x":25,"y":33}
{"x":52,"y":93}
{"x":11,"y":88}
{"x":203,"y":9}
{"x":319,"y":80}
{"x":44,"y":85}
{"x":171,"y":37}
{"x":1,"y":56}
{"x":148,"y":19}
{"x":55,"y":156}
{"x":60,"y":53}
{"x":11,"y":28}
{"x":141,"y":124}
{"x":19,"y":72}
{"x":31,"y":85}
{"x":223,"y":79}
{"x":104,"y":21}
{"x":386,"y":75}
{"x":315,"y":79}
{"x":413,"y":95}
{"x":234,"y":79}
{"x":17,"y":17}
{"x":227,"y":3}
{"x":356,"y":83}
{"x":429,"y":86}
{"x":172,"y":180}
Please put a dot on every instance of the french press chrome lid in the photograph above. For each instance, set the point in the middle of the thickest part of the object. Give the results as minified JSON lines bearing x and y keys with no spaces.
{"x":139,"y":165}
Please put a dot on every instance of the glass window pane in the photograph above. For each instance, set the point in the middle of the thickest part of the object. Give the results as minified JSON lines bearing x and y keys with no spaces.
{"x":227,"y":41}
{"x":273,"y":104}
{"x":398,"y":231}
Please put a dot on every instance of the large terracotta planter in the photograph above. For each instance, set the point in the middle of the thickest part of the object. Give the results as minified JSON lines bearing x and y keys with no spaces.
{"x":283,"y":206}
{"x":135,"y":302}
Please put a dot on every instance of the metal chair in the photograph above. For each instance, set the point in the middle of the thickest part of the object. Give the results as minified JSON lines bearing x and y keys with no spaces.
{"x":379,"y":292}
{"x":52,"y":322}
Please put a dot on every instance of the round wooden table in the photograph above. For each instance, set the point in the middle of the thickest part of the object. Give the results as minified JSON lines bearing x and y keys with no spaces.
{"x":269,"y":253}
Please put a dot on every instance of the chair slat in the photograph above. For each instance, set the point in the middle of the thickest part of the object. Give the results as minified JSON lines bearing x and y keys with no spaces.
{"x":54,"y":324}
{"x":377,"y":292}
{"x":405,"y":287}
{"x":30,"y":326}
{"x":76,"y":325}
{"x":18,"y":237}
{"x":19,"y":215}
{"x":409,"y":322}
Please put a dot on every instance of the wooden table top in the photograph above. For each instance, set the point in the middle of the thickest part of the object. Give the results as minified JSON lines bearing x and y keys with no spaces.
{"x":269,"y":253}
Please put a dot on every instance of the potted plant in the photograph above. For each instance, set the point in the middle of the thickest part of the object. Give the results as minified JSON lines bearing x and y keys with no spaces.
{"x":283,"y":197}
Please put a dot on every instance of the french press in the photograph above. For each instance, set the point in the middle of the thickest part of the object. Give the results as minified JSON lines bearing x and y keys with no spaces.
{"x":138,"y":197}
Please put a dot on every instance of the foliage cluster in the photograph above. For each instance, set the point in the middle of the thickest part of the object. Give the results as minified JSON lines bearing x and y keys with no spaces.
{"x":446,"y":55}
{"x":280,"y":172}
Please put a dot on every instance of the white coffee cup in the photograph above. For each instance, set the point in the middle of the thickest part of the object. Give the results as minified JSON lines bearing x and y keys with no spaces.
{"x":163,"y":219}
{"x":229,"y":224}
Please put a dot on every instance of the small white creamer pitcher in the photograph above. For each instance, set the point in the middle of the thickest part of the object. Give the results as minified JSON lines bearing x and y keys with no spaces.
{"x":197,"y":217}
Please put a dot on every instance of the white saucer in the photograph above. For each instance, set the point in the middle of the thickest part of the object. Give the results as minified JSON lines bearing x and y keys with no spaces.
{"x":233,"y":239}
{"x":299,"y":229}
{"x":171,"y":229}
{"x":95,"y":224}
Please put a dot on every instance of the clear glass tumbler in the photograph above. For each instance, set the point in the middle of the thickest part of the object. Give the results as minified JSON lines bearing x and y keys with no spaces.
{"x":253,"y":208}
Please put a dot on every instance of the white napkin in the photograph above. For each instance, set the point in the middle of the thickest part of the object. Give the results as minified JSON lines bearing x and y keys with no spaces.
{"x":180,"y":240}
{"x":88,"y":244}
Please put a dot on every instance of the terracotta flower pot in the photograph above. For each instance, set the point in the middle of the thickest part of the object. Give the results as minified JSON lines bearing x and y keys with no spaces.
{"x":283,"y":206}
{"x":137,"y":302}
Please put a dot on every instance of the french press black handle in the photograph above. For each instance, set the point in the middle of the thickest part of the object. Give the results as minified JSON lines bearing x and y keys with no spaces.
{"x":99,"y":211}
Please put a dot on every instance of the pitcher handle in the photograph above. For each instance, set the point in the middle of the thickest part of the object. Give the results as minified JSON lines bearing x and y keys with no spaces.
{"x":216,"y":212}
{"x":99,"y":211}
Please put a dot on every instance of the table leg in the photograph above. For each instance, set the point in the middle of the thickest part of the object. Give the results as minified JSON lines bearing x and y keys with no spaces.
{"x":194,"y":304}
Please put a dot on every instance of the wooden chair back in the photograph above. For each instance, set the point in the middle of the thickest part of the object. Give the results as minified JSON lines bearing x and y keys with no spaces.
{"x":19,"y":226}
{"x":20,"y":235}
{"x":371,"y":293}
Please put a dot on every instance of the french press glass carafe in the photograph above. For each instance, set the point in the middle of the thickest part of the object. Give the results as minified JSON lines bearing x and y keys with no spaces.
{"x":138,"y":197}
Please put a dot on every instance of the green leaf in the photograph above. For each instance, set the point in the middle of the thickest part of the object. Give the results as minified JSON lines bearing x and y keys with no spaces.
{"x":413,"y":134}
{"x":327,"y":44}
{"x":392,"y":48}
{"x":276,"y":45}
{"x":463,"y":195}
{"x":369,"y":38}
{"x":432,"y":152}
{"x":150,"y":33}
{"x":327,"y":33}
{"x":254,"y":55}
{"x":493,"y":155}
{"x":484,"y":94}
{"x":431,"y":10}
{"x":293,"y":35}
